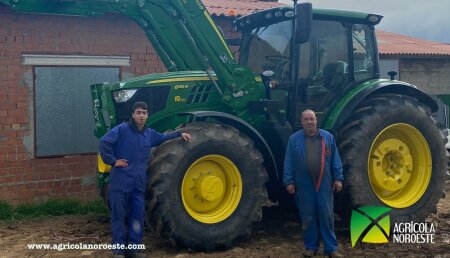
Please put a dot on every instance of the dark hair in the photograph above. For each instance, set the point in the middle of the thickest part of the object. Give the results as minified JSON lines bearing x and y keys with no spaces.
{"x":140,"y":104}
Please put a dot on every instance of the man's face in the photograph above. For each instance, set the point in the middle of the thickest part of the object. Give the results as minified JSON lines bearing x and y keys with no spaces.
{"x":140,"y":116}
{"x":309,"y":121}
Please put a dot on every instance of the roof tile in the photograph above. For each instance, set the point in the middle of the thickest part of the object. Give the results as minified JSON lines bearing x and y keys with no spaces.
{"x":396,"y":44}
{"x":240,"y":7}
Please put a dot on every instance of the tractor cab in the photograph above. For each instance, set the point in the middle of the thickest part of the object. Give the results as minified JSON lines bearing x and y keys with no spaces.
{"x":339,"y":53}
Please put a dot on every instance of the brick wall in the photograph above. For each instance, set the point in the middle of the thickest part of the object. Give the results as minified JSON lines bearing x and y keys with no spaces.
{"x":225,"y":24}
{"x":23,"y":178}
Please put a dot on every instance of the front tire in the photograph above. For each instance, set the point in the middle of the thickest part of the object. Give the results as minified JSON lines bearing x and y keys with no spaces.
{"x":393,"y":155}
{"x":205,"y":194}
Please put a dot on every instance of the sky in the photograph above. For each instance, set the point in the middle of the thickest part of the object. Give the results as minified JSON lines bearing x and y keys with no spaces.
{"x":428,"y":20}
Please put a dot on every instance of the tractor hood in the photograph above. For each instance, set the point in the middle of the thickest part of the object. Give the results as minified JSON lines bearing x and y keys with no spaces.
{"x":159,"y":79}
{"x":166,"y":93}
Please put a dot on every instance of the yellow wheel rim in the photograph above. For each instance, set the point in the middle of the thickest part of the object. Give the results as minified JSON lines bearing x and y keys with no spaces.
{"x":399,"y":165}
{"x":211,"y":189}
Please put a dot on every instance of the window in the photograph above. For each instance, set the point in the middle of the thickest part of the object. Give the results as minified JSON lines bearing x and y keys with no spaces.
{"x":63,"y":109}
{"x":326,"y":47}
{"x":363,"y":56}
{"x":269,"y":49}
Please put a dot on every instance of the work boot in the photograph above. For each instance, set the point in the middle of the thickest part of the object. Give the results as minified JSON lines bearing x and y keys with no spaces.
{"x":335,"y":255}
{"x":309,"y":253}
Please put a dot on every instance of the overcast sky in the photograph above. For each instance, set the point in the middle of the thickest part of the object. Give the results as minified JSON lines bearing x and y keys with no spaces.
{"x":417,"y":18}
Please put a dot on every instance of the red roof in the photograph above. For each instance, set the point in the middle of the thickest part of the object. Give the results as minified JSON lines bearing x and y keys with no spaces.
{"x":236,"y":8}
{"x":396,"y":44}
{"x":388,"y":43}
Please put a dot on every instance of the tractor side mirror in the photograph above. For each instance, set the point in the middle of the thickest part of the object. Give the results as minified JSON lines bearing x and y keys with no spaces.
{"x":303,"y":18}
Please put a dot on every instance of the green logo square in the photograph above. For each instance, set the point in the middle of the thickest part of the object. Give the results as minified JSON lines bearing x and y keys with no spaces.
{"x":370,"y":224}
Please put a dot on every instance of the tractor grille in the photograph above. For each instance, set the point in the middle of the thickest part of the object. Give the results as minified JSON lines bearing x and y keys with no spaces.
{"x":199,"y":94}
{"x":154,"y":97}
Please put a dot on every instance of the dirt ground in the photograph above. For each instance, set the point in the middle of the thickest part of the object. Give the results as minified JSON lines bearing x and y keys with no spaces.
{"x":274,"y":237}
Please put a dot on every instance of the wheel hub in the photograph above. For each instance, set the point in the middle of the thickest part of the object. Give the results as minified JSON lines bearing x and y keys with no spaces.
{"x":393,"y":166}
{"x":209,"y":188}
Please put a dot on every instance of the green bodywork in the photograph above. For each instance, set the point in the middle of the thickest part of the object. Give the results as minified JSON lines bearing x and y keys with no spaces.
{"x":331,"y":118}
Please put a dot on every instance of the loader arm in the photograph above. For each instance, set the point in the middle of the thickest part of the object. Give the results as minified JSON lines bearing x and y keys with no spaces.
{"x":181,"y":31}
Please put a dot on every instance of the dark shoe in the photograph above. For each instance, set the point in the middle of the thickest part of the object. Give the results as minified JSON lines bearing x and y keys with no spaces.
{"x":118,"y":256}
{"x":335,"y":255}
{"x":309,"y":253}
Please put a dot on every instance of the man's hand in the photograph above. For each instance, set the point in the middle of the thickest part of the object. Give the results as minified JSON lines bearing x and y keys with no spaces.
{"x":121,"y":163}
{"x":290,"y":188}
{"x":337,"y":186}
{"x":186,"y":137}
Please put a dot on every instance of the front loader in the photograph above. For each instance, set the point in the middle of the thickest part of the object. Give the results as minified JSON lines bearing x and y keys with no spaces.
{"x":206,"y":194}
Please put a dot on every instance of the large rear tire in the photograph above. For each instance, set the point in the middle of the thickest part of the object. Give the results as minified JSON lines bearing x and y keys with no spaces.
{"x":205,"y":194}
{"x":393,"y":155}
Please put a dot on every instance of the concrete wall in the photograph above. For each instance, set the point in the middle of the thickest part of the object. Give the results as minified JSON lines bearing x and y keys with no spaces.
{"x":431,"y":75}
{"x":387,"y":65}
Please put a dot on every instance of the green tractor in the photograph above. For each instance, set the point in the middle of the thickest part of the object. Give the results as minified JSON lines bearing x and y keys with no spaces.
{"x":206,"y":194}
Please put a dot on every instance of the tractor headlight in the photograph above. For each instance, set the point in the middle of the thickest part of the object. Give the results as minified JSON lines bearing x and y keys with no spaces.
{"x":123,"y":95}
{"x":373,"y":19}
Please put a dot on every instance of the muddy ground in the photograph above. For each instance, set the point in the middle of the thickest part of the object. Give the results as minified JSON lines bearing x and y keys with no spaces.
{"x":273,"y":237}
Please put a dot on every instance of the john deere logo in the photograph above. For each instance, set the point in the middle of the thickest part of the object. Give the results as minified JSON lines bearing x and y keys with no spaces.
{"x":370,"y":224}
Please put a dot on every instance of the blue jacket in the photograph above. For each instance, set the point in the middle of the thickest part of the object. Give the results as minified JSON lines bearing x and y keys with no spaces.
{"x":295,"y":167}
{"x":125,"y":141}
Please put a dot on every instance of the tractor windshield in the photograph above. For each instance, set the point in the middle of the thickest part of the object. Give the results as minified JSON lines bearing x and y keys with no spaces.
{"x":268,"y":48}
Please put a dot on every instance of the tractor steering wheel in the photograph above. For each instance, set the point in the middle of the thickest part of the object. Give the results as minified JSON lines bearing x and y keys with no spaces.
{"x":280,"y":62}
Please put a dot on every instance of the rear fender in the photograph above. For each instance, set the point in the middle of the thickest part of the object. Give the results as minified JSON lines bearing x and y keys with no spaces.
{"x":242,"y":126}
{"x":344,"y":107}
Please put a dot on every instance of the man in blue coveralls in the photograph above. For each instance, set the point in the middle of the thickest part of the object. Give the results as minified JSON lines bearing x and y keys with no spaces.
{"x":126,"y":148}
{"x":312,"y":171}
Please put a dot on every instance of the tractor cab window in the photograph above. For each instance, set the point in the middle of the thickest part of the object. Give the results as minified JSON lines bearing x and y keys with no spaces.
{"x":363,"y":52}
{"x":268,"y":48}
{"x":324,"y":59}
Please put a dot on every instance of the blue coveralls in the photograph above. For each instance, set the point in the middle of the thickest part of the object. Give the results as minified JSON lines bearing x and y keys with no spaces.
{"x":127,"y":185}
{"x":314,"y":202}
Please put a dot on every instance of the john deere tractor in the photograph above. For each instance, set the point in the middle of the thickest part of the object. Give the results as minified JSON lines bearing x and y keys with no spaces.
{"x":207,"y":193}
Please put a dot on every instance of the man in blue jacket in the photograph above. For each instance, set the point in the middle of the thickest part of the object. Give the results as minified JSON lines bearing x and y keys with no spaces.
{"x":312,"y":171}
{"x":126,"y":148}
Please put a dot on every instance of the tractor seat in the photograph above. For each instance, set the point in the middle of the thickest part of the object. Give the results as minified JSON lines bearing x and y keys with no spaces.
{"x":334,"y":74}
